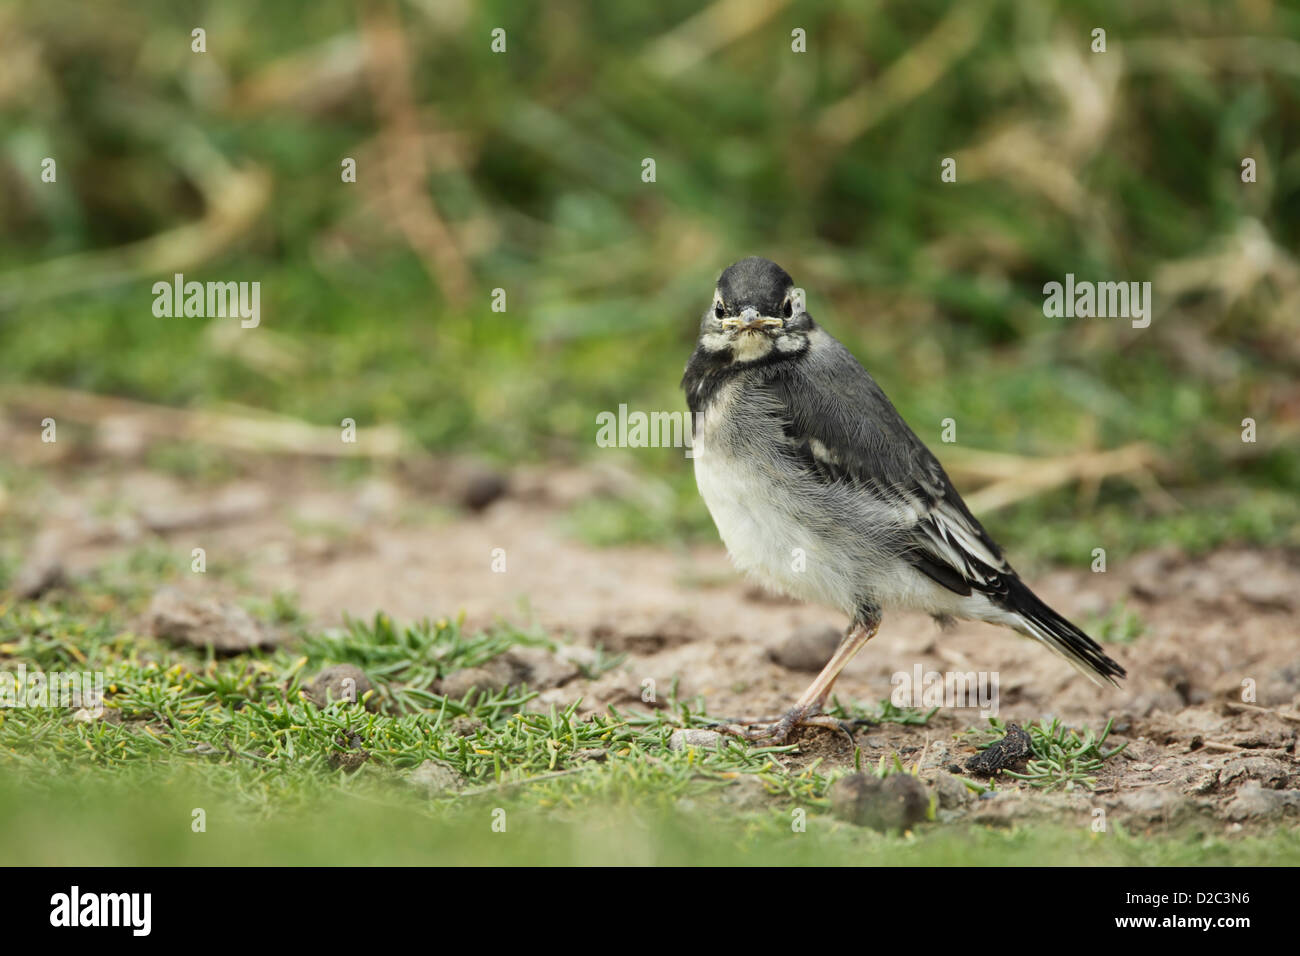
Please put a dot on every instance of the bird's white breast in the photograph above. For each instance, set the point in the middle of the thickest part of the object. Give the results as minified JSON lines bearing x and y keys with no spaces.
{"x":731,"y":489}
{"x":819,"y":542}
{"x":756,"y":508}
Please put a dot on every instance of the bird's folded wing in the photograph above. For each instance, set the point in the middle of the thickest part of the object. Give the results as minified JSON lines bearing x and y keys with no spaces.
{"x":852,"y":433}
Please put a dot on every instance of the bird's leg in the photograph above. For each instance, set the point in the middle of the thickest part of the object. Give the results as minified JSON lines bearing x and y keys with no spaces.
{"x":807,"y":709}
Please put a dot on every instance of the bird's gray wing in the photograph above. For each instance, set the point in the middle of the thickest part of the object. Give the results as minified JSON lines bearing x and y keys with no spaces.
{"x":842,"y":428}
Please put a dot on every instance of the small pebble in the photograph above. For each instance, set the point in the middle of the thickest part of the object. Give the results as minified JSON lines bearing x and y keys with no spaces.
{"x":807,"y":650}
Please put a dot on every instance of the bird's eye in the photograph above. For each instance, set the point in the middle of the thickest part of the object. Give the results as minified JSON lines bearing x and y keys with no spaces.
{"x":719,"y":311}
{"x":789,"y":309}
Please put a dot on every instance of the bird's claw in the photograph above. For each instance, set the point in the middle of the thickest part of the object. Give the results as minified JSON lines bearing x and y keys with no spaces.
{"x":778,"y":731}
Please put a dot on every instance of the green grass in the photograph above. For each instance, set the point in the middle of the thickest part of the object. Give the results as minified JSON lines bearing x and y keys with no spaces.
{"x":250,"y":713}
{"x":281,"y":779}
{"x":1060,"y":758}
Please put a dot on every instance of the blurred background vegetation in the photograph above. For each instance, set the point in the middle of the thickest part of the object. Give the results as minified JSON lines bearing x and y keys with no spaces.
{"x":522,"y":171}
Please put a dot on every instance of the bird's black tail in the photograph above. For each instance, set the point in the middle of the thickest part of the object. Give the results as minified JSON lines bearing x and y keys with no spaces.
{"x":1040,"y":622}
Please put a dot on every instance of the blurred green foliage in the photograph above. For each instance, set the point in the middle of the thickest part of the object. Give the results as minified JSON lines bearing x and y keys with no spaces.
{"x":1123,"y":165}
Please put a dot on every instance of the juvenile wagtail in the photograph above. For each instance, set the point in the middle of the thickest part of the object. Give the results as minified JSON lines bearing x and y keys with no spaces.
{"x":797,"y":447}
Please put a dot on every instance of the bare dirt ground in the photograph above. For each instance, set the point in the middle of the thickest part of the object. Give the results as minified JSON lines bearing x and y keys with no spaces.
{"x":1210,"y":710}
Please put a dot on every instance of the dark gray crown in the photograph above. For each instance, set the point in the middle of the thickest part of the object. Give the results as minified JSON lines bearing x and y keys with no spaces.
{"x":754,"y":283}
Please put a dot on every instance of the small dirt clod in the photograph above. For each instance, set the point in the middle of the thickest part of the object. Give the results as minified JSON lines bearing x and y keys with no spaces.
{"x":345,"y":682}
{"x":351,"y":754}
{"x":895,"y":803}
{"x":202,"y":622}
{"x":1010,"y":752}
{"x":434,"y":778}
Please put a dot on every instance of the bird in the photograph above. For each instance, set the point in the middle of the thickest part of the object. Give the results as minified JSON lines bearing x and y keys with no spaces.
{"x":821,"y":491}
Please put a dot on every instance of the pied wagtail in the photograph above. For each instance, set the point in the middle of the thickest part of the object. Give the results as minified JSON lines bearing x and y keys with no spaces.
{"x":804,"y":463}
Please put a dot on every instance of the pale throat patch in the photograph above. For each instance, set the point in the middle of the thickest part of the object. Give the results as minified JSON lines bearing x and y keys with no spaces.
{"x":750,"y":346}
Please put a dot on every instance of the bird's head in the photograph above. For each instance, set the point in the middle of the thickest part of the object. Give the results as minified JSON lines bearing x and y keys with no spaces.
{"x":754,"y":315}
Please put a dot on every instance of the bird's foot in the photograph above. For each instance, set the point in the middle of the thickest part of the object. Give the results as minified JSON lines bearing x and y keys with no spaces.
{"x":778,"y":730}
